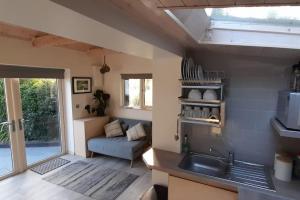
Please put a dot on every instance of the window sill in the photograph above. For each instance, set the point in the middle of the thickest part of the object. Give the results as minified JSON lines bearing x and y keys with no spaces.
{"x":137,"y":108}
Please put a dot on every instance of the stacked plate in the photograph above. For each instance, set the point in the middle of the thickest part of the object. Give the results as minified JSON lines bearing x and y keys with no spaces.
{"x":190,"y":70}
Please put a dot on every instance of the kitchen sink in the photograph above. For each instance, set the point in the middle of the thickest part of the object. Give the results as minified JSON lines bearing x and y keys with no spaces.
{"x":204,"y":164}
{"x":242,"y":173}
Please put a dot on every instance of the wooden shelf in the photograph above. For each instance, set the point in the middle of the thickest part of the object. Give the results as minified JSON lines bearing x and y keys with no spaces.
{"x":282,"y":131}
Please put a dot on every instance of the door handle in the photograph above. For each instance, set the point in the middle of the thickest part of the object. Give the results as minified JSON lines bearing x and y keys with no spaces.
{"x":21,"y":121}
{"x":12,"y":124}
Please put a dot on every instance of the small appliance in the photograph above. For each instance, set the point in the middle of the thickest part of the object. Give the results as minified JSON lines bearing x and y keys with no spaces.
{"x":288,"y":109}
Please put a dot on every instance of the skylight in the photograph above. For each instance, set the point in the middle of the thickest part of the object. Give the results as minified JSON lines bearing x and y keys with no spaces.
{"x":282,"y":15}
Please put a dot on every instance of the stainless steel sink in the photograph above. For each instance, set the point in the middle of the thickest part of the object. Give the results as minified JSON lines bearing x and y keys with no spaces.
{"x":204,"y":164}
{"x":241,"y":173}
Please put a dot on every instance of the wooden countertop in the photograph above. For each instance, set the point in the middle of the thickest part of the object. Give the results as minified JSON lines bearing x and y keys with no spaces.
{"x":168,"y":162}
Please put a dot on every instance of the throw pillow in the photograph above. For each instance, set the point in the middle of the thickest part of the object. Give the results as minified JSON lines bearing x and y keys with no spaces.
{"x":136,"y":132}
{"x":113,"y":129}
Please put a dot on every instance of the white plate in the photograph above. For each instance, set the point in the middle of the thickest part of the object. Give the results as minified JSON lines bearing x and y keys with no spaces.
{"x":182,"y":64}
{"x":190,"y":68}
{"x":200,"y":73}
{"x":185,"y":69}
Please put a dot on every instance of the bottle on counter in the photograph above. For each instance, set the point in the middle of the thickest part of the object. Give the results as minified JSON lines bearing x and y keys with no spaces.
{"x":185,"y":144}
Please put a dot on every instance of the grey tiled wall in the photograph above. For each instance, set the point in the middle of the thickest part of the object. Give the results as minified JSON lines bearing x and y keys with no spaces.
{"x":251,"y":98}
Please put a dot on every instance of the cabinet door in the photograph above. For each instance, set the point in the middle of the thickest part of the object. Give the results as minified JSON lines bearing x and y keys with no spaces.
{"x":180,"y":189}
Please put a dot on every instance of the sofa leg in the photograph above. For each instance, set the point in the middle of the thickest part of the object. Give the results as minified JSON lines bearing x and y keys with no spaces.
{"x":92,"y":154}
{"x":131,"y":163}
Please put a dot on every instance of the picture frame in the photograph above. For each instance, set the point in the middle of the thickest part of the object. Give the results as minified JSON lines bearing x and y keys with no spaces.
{"x":81,"y":85}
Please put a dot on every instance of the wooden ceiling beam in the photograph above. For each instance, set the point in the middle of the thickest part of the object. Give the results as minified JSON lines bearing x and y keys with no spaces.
{"x":16,"y":32}
{"x":50,"y":40}
{"x":41,"y":39}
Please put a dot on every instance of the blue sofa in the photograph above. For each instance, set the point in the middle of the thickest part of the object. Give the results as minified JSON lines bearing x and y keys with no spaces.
{"x":119,"y":146}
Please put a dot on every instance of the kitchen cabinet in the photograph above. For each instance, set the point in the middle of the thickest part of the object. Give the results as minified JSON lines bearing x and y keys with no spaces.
{"x":180,"y":189}
{"x":85,"y":129}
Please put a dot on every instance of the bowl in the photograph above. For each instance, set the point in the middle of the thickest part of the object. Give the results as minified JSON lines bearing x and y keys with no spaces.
{"x":210,"y":95}
{"x":195,"y":94}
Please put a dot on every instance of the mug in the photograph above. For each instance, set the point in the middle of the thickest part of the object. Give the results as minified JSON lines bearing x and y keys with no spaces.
{"x":205,"y":112}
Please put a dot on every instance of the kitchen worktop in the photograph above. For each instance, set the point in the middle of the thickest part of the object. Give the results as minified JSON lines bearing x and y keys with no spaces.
{"x":168,"y":162}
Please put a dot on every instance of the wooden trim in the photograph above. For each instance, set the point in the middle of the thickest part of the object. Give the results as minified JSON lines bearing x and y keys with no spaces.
{"x":50,"y":40}
{"x":62,"y":118}
{"x":228,"y":3}
{"x":17,"y":32}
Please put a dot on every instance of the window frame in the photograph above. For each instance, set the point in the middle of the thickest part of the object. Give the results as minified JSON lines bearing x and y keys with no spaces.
{"x":142,"y":93}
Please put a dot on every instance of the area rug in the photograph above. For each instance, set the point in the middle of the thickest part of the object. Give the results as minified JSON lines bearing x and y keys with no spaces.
{"x":49,"y":165}
{"x":93,"y":180}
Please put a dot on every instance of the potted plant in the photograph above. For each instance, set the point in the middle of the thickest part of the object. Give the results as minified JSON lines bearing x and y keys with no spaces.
{"x":101,"y":100}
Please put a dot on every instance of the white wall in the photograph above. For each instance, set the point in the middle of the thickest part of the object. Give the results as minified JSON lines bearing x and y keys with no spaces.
{"x":122,"y":64}
{"x":166,"y":90}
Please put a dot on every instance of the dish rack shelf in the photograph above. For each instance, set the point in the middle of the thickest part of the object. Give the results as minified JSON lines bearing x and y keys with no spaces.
{"x":200,"y":121}
{"x":206,"y":121}
{"x":202,"y":85}
{"x":201,"y":102}
{"x":202,"y":97}
{"x":204,"y":81}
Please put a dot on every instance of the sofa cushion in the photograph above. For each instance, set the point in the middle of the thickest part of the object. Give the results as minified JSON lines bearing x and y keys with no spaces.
{"x":113,"y":129}
{"x":136,"y":132}
{"x":147,"y":125}
{"x":116,"y":146}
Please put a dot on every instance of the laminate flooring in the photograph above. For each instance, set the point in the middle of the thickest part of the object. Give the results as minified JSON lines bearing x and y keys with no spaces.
{"x":31,"y":186}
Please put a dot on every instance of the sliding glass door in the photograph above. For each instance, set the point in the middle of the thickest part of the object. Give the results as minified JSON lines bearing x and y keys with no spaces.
{"x":30,"y":117}
{"x":6,"y":162}
{"x":41,"y":118}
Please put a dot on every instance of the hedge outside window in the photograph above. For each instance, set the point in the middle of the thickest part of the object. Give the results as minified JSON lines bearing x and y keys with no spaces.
{"x":137,"y":91}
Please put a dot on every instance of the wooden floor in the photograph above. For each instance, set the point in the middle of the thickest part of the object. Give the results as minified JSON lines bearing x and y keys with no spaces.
{"x":30,"y":186}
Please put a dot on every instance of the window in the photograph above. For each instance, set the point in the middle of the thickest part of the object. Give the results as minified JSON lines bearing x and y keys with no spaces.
{"x":280,"y":15}
{"x":137,"y":91}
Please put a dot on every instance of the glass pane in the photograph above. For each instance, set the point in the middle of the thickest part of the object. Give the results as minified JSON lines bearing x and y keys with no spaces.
{"x":41,"y":118}
{"x":132,"y":92}
{"x":280,"y":15}
{"x":148,"y":92}
{"x":5,"y":150}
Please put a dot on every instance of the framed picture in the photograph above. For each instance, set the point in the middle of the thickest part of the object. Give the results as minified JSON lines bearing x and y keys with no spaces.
{"x":82,"y":85}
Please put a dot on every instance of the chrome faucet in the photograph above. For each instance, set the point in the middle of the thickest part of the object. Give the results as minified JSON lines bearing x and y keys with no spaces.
{"x":229,"y":158}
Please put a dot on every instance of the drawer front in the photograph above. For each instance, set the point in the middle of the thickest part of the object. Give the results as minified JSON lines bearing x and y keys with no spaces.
{"x":180,"y":189}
